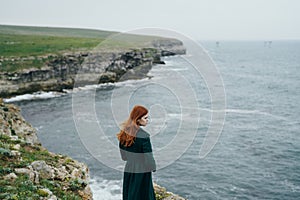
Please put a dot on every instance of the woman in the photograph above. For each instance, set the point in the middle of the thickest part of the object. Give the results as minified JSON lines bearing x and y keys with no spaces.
{"x":135,"y":148}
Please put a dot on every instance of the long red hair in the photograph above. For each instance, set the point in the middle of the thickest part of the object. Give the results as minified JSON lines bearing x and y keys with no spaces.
{"x":129,"y":129}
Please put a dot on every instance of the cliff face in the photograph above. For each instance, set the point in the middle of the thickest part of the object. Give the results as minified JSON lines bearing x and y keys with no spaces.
{"x":78,"y":69}
{"x":27,"y":170}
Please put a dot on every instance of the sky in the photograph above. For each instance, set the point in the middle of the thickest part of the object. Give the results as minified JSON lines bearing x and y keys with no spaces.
{"x":197,"y":19}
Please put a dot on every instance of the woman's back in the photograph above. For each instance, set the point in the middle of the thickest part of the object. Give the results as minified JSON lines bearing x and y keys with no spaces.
{"x":136,"y":150}
{"x":139,"y":155}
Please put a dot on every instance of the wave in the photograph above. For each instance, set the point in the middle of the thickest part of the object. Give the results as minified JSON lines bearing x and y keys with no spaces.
{"x":90,"y":87}
{"x":106,"y":189}
{"x":241,"y":111}
{"x":54,"y":94}
{"x":128,"y":83}
{"x":34,"y":96}
{"x":131,"y":83}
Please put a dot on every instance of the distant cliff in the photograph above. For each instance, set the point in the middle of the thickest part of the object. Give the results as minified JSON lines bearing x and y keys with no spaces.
{"x":77,"y":69}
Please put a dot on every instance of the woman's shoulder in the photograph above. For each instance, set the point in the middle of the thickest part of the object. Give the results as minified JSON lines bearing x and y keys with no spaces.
{"x":142,"y":134}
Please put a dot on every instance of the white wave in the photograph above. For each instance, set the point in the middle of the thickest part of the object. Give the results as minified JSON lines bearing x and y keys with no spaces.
{"x":36,"y":95}
{"x":169,"y":63}
{"x":179,"y":69}
{"x":53,"y":94}
{"x":241,"y":111}
{"x":106,"y":189}
{"x":174,"y":115}
{"x":158,"y":70}
{"x":131,"y":83}
{"x":128,"y":83}
{"x":89,"y":87}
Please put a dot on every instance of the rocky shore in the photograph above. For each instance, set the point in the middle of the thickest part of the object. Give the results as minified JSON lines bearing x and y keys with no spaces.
{"x":28,"y":169}
{"x":71,"y":70}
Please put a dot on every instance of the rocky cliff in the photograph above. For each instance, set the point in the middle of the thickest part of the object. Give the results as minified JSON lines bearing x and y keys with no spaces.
{"x":77,"y":69}
{"x":28,"y":170}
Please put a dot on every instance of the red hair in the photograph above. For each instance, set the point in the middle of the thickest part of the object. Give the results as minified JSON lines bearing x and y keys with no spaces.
{"x":127,"y":134}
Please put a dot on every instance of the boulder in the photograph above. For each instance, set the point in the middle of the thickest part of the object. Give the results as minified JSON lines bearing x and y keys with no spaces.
{"x":44,"y":170}
{"x":10,"y":177}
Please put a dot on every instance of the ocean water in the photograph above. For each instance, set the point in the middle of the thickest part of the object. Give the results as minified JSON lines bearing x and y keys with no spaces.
{"x":257,"y":154}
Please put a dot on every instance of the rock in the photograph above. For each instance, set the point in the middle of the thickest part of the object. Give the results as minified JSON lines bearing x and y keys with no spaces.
{"x":35,"y":178}
{"x":75,"y":173}
{"x":169,"y":47}
{"x":86,"y":194}
{"x":15,"y":153}
{"x":44,"y":170}
{"x":13,"y":125}
{"x":10,"y":177}
{"x":163,"y":194}
{"x":23,"y":171}
{"x":52,"y":197}
{"x":65,"y":71}
{"x":17,"y":147}
{"x":45,"y":192}
{"x":61,"y":173}
{"x":14,"y":137}
{"x":173,"y":198}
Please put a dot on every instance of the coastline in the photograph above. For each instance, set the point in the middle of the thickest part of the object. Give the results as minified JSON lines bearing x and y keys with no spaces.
{"x":55,"y":176}
{"x":72,"y":70}
{"x":27,"y":166}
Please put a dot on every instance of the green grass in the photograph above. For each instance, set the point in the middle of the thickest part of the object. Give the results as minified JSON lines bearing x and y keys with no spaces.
{"x":53,"y":31}
{"x":36,"y":45}
{"x":23,"y":47}
{"x":31,"y":51}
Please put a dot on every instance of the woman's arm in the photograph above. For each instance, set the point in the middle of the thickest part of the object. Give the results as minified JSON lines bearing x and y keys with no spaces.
{"x":148,"y":155}
{"x":122,"y":152}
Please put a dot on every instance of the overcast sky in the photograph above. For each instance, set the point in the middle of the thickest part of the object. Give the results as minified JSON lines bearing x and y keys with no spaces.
{"x":198,"y":19}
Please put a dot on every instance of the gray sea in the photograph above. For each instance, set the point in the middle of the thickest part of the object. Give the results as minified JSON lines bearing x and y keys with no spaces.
{"x":257,"y":155}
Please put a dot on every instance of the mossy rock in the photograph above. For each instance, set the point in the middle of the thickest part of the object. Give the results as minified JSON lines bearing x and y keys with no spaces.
{"x":42,"y":193}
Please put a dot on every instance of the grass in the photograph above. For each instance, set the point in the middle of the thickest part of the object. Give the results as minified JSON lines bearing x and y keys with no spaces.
{"x":31,"y":51}
{"x":53,"y":31}
{"x":36,"y":45}
{"x":23,"y":47}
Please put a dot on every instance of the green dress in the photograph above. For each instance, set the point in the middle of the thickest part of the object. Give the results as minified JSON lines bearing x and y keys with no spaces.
{"x":137,"y":180}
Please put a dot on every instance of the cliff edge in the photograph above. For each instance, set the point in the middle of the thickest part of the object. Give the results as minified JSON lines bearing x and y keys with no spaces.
{"x":29,"y":170}
{"x":75,"y":69}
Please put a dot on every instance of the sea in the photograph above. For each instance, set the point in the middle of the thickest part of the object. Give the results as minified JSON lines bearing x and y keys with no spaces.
{"x":255,"y":156}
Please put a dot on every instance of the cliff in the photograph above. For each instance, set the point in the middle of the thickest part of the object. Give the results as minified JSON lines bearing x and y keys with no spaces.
{"x":29,"y":170}
{"x":71,"y":70}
